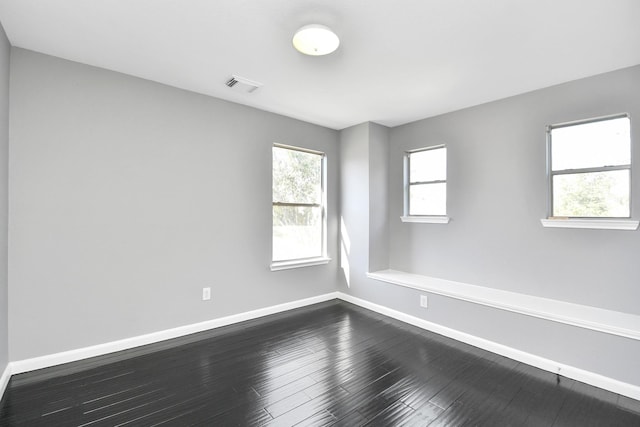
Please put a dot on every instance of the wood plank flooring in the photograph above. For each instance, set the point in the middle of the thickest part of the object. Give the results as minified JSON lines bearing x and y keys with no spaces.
{"x":329,"y":364}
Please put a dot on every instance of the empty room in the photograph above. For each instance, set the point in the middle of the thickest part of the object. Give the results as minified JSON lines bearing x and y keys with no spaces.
{"x":319,"y":213}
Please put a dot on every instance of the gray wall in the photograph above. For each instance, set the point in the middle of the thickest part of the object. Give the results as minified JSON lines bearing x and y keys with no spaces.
{"x":497,"y":196}
{"x":354,"y":202}
{"x":5,"y":50}
{"x":497,"y":193}
{"x":378,"y":197}
{"x":127,"y":197}
{"x":364,"y":152}
{"x":364,"y":175}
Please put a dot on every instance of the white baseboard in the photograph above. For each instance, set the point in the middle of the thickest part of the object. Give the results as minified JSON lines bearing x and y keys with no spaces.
{"x":4,"y":379}
{"x":597,"y":380}
{"x":32,"y":364}
{"x":578,"y":374}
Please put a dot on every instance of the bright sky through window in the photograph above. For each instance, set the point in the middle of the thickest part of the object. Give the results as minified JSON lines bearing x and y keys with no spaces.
{"x":427,"y":186}
{"x":591,"y":168}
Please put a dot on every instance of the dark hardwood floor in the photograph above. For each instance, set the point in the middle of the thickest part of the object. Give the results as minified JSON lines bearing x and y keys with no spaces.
{"x":328,"y":364}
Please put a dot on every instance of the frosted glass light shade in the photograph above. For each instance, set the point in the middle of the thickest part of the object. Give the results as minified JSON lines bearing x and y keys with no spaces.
{"x":315,"y":40}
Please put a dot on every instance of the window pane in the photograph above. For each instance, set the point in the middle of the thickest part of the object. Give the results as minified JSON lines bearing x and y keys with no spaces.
{"x":428,"y":199}
{"x":596,"y":144}
{"x":597,"y":194}
{"x":296,"y":176}
{"x":297,"y":232}
{"x":428,"y":165}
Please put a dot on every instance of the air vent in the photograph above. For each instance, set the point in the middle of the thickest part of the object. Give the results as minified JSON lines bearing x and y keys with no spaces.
{"x":242,"y":84}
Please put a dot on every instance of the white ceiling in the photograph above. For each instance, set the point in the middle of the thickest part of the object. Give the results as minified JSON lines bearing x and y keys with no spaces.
{"x":398,"y":61}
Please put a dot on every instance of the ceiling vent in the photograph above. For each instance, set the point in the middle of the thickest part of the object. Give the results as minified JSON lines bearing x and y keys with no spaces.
{"x":242,"y":84}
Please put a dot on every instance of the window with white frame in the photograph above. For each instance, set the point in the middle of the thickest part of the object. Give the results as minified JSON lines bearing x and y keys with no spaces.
{"x":425,"y":182}
{"x":299,"y":202}
{"x":589,"y":168}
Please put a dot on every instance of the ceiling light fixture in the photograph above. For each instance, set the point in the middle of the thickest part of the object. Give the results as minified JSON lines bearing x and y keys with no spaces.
{"x":315,"y":40}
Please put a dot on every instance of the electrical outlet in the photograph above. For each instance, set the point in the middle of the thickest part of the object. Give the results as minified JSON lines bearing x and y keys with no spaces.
{"x":206,"y":294}
{"x":424,"y":301}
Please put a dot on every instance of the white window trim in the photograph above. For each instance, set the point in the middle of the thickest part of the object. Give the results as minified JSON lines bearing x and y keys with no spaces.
{"x":324,"y":258}
{"x":298,"y":263}
{"x":589,"y":223}
{"x":596,"y":223}
{"x":425,"y":219}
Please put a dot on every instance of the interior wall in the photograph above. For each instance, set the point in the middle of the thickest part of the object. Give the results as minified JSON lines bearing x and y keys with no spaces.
{"x":497,"y":193}
{"x":354,"y":202}
{"x":364,"y":232}
{"x":127,"y":197}
{"x":378,"y":197}
{"x":5,"y":50}
{"x":130,"y":196}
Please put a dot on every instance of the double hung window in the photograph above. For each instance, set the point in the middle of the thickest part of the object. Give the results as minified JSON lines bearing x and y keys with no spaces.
{"x":425,"y":182}
{"x":299,"y":207}
{"x":589,"y":166}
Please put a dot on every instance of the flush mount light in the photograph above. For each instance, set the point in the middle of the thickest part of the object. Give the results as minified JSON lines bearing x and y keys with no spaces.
{"x":315,"y":40}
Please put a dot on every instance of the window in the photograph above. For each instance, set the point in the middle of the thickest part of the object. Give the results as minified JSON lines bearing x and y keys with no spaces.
{"x":425,"y":185}
{"x":590,"y":168}
{"x":299,"y":217}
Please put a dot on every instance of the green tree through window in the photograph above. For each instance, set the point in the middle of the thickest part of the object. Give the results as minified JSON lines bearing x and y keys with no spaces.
{"x":592,"y":194}
{"x":590,"y":168}
{"x":298,"y":211}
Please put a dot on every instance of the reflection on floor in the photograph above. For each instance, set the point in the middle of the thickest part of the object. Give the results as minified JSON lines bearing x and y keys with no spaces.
{"x":328,"y":364}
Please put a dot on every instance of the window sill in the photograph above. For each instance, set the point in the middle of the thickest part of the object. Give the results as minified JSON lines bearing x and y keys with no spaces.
{"x":600,"y":224}
{"x":298,"y":263}
{"x":426,"y":219}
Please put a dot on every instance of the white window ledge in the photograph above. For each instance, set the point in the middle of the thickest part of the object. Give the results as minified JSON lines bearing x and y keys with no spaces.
{"x":597,"y":319}
{"x":426,"y":219}
{"x":602,"y":224}
{"x":298,"y":263}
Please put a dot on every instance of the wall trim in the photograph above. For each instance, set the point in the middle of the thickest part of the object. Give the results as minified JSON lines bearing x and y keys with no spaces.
{"x":568,"y":371}
{"x":298,"y":263}
{"x":578,"y":374}
{"x":597,"y":224}
{"x":436,"y":219}
{"x":4,"y":379}
{"x":47,"y":361}
{"x":597,"y":319}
